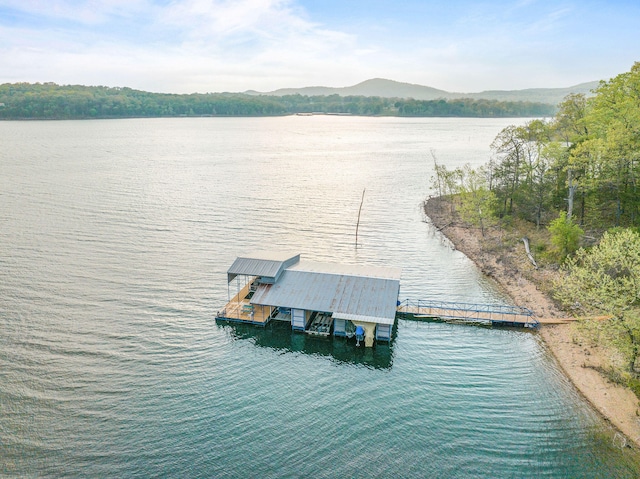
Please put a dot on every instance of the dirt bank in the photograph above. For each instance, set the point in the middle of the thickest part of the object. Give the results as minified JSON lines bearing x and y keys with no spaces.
{"x":505,"y":260}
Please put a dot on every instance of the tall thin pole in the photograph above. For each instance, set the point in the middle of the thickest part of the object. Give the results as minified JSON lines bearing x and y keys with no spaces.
{"x":359,"y":211}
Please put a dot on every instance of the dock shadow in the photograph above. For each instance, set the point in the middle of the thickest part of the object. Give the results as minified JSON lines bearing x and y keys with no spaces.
{"x":278,"y":336}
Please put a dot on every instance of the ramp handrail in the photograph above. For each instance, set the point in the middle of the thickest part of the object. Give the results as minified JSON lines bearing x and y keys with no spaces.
{"x":460,"y":306}
{"x":496,"y":314}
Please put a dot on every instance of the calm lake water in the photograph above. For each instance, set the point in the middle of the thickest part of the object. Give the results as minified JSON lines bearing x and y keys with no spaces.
{"x":115,"y":237}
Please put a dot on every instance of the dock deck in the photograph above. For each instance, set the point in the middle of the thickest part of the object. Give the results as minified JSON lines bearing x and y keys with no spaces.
{"x":240,"y":309}
{"x":498,"y":315}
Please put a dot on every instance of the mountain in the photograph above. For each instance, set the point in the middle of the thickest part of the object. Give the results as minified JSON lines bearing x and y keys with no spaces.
{"x":374,"y":87}
{"x":542,"y":95}
{"x":393,"y":89}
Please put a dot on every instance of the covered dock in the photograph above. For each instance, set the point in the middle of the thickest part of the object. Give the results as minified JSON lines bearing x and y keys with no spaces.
{"x":317,"y":298}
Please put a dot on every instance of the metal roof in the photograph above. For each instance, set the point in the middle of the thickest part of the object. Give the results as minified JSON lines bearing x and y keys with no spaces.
{"x":320,"y":287}
{"x":267,"y":265}
{"x":348,"y":269}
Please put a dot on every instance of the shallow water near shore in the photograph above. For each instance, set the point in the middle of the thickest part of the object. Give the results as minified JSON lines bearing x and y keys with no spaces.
{"x":114,"y":243}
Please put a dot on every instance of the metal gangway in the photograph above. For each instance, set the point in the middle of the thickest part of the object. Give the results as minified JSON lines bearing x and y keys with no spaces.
{"x":494,"y":314}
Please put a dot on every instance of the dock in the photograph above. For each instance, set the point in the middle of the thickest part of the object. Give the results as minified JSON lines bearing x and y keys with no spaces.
{"x":492,"y":314}
{"x":240,"y":309}
{"x":323,"y":299}
{"x":320,"y":299}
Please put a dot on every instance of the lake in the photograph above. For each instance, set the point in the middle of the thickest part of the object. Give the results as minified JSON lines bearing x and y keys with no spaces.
{"x":115,"y":238}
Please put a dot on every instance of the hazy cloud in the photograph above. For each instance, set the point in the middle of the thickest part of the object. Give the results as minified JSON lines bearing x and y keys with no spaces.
{"x":233,"y":45}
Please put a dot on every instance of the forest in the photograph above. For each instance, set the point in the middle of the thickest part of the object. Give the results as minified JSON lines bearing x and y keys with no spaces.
{"x":575,"y":177}
{"x":49,"y":101}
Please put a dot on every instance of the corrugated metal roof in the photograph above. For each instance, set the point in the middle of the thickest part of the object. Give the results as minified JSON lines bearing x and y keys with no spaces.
{"x":312,"y":287}
{"x":349,"y":269}
{"x":266,"y":264}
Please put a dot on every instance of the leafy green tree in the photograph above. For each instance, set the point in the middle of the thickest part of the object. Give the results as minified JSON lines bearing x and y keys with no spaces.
{"x":556,"y":154}
{"x":508,"y":147}
{"x":569,"y":121}
{"x":477,"y":202}
{"x":607,"y":152}
{"x":446,"y":182}
{"x":532,"y":195}
{"x":519,"y":172}
{"x":606,"y":280}
{"x":587,"y":160}
{"x":565,"y":235}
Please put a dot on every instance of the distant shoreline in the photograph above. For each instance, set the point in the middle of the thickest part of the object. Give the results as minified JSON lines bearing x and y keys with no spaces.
{"x":280,"y":115}
{"x":49,"y":101}
{"x":510,"y":270}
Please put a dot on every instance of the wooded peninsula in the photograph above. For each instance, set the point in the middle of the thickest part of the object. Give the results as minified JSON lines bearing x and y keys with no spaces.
{"x":569,"y":185}
{"x":49,"y":101}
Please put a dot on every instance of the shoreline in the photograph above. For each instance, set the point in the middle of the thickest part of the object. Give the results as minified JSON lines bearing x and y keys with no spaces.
{"x":515,"y":276}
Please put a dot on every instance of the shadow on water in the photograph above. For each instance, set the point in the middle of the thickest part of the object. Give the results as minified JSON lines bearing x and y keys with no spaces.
{"x":277,"y":335}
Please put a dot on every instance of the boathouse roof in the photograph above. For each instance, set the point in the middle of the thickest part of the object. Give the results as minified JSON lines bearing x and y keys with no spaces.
{"x":266,"y":265}
{"x":360,"y":293}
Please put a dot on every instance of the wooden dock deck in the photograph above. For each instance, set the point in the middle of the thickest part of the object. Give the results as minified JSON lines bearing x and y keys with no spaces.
{"x":240,"y":309}
{"x":498,"y":315}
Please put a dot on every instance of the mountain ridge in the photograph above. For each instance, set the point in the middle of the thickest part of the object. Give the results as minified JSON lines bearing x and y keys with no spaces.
{"x":386,"y":88}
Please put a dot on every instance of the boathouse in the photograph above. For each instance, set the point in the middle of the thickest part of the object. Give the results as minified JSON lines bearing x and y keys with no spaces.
{"x":316,"y":298}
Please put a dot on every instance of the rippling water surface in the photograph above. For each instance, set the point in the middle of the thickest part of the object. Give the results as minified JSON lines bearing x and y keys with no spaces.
{"x":115,"y":237}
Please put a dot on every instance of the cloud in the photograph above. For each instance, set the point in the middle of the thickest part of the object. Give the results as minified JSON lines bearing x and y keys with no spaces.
{"x":234,"y":45}
{"x":87,"y":12}
{"x":553,"y":20}
{"x":205,"y":18}
{"x":140,"y":40}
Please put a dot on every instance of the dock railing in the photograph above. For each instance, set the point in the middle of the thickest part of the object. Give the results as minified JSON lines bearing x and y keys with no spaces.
{"x":478,"y":312}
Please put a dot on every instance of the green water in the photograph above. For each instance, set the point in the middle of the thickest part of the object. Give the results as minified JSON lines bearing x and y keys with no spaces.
{"x":114,"y":242}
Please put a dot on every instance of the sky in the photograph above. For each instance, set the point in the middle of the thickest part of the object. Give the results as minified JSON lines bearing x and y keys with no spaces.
{"x":188,"y":46}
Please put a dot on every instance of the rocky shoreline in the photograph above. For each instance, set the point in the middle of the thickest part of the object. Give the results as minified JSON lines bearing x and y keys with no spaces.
{"x":512,"y":271}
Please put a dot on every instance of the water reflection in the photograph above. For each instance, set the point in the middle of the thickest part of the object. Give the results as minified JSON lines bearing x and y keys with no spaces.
{"x":277,"y":335}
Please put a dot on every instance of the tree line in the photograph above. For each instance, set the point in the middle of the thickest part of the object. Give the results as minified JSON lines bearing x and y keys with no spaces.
{"x":59,"y":102}
{"x":578,"y":171}
{"x":584,"y":161}
{"x":55,"y":102}
{"x":479,"y":108}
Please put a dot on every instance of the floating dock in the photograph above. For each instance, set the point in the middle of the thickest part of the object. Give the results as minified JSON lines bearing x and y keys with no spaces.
{"x":317,"y":298}
{"x":325,"y":299}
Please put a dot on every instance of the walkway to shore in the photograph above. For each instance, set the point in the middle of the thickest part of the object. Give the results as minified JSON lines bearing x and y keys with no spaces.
{"x":495,"y":314}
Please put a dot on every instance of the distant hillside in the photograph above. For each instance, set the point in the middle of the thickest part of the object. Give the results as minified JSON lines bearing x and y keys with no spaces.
{"x":375,"y":87}
{"x":392,"y":89}
{"x":542,"y":95}
{"x":21,"y":101}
